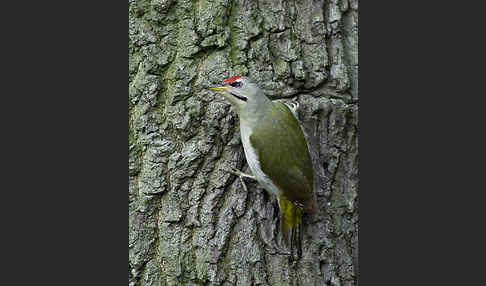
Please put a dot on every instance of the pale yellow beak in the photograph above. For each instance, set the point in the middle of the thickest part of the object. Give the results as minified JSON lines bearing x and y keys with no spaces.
{"x":221,"y":88}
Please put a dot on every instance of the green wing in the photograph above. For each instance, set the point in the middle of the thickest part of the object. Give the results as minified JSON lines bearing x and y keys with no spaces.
{"x":282,"y":151}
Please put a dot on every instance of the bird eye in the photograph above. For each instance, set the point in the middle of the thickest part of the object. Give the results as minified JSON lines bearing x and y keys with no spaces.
{"x":235,"y":84}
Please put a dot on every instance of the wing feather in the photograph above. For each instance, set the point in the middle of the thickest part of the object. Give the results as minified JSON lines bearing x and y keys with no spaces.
{"x":282,"y":150}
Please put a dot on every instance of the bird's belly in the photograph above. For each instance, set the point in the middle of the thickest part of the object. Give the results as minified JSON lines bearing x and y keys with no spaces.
{"x":255,"y":168}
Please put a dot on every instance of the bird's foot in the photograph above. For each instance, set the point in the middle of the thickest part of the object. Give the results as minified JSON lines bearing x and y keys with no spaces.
{"x":240,"y":175}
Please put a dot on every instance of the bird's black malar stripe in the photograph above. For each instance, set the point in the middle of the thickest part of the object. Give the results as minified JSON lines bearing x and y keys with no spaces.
{"x":239,"y":97}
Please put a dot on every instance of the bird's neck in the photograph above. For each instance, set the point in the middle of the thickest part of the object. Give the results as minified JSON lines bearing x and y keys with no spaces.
{"x":253,"y":113}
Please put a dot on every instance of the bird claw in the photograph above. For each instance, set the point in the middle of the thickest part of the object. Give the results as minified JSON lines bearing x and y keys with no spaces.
{"x":240,"y":176}
{"x":239,"y":173}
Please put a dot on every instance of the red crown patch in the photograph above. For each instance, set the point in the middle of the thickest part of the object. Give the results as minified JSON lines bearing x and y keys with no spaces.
{"x":231,"y":79}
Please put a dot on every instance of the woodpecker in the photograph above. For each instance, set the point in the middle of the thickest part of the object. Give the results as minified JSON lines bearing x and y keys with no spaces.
{"x":275,"y":149}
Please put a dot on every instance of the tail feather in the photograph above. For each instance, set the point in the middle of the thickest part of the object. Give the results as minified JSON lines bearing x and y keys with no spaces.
{"x":291,"y":216}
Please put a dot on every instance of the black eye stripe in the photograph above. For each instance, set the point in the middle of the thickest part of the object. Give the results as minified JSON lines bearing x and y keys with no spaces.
{"x":235,"y":84}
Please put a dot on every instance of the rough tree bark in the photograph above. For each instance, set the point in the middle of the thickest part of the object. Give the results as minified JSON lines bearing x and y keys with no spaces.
{"x":191,"y":223}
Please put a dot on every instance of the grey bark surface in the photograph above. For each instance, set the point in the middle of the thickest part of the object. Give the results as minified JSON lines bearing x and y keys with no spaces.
{"x":190,"y":223}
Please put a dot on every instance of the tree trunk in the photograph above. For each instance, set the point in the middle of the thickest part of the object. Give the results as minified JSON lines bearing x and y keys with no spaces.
{"x":190,"y":223}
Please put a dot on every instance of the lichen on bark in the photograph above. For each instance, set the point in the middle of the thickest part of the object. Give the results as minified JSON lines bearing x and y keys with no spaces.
{"x":190,"y":222}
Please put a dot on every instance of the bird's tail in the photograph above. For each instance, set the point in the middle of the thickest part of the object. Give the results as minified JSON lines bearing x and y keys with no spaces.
{"x":291,"y":217}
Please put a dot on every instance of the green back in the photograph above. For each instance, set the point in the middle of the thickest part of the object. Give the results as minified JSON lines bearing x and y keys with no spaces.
{"x":282,"y":151}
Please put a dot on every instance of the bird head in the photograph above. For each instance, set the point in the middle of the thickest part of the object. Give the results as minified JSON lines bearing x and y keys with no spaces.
{"x":244,"y":95}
